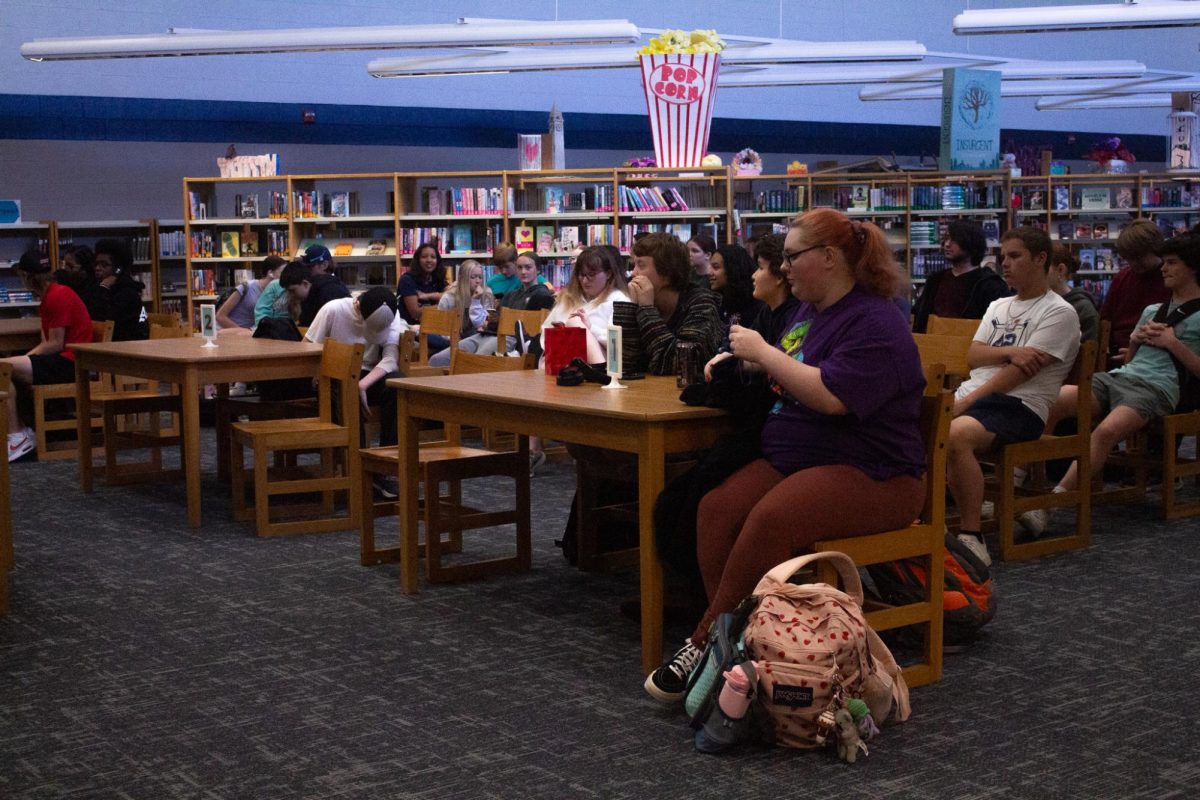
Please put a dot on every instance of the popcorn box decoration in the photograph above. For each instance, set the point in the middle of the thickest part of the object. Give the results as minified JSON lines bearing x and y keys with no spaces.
{"x":679,"y":78}
{"x":680,"y":91}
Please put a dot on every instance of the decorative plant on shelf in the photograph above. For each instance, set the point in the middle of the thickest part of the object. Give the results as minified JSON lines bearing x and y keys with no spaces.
{"x":1111,"y":155}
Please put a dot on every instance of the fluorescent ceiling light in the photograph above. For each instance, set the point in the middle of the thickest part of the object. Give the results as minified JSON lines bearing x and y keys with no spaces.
{"x":1151,"y":82}
{"x":739,"y":51}
{"x":211,"y":43}
{"x":1130,"y":14}
{"x":923,"y":73}
{"x":1104,"y":101}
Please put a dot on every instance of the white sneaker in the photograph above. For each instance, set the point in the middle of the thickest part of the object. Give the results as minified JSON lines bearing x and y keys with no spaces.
{"x":1034,"y":521}
{"x":20,"y":443}
{"x":987,"y":510}
{"x":977,"y":547}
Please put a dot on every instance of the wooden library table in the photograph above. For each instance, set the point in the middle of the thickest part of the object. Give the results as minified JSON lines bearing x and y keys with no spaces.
{"x":646,"y":419}
{"x":20,"y":335}
{"x":189,"y":365}
{"x":6,"y":545}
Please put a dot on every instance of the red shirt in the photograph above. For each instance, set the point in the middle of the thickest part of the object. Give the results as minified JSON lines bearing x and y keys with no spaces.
{"x":1127,"y":298}
{"x":62,"y":308}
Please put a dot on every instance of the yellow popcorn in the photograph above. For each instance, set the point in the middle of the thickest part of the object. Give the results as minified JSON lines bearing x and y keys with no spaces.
{"x":674,"y":42}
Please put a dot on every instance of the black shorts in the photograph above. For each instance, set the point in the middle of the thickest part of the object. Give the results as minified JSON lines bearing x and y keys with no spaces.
{"x":1008,"y":418}
{"x":52,"y":368}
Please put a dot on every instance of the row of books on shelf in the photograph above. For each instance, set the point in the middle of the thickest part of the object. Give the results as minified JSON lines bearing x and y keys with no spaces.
{"x":558,"y":200}
{"x":1098,"y":259}
{"x":247,"y":206}
{"x":451,"y":238}
{"x":1096,"y":287}
{"x":15,"y":296}
{"x":670,"y":198}
{"x":139,"y":246}
{"x":924,"y":264}
{"x":464,"y":200}
{"x":777,"y":201}
{"x":232,"y":244}
{"x":958,"y":197}
{"x":932,"y":232}
{"x":1101,"y":198}
{"x":172,"y":244}
{"x":312,"y":203}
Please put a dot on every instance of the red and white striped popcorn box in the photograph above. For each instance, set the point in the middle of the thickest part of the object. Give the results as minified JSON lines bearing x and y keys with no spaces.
{"x":680,"y":92}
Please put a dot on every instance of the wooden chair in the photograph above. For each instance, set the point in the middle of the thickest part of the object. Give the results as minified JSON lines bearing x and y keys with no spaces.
{"x":337,"y":397}
{"x":507,"y":324}
{"x":439,"y":322}
{"x":6,"y":545}
{"x":449,"y":462}
{"x":164,"y":320}
{"x":924,"y":539}
{"x":946,"y":349}
{"x":132,"y":418}
{"x":1011,"y":500}
{"x":949,"y":326}
{"x":63,"y":393}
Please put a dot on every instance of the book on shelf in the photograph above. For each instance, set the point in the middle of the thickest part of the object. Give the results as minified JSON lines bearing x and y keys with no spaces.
{"x":554,"y":199}
{"x":230,"y":244}
{"x":1066,"y":230}
{"x":859,"y":197}
{"x":1037,"y":200}
{"x":247,"y":206}
{"x":1104,"y":259}
{"x":523,"y":238}
{"x":544,"y":239}
{"x":250,"y":246}
{"x":343,"y":248}
{"x":568,"y":238}
{"x":461,"y":238}
{"x":991,"y":231}
{"x":376,"y":247}
{"x":1062,"y":198}
{"x":1083,"y":230}
{"x":339,"y":204}
{"x":1100,"y":230}
{"x":1087,"y":259}
{"x":1095,"y":198}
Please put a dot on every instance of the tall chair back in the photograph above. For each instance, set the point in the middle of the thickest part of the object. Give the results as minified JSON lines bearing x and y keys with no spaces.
{"x":950,"y":326}
{"x":530,"y":320}
{"x":440,"y":322}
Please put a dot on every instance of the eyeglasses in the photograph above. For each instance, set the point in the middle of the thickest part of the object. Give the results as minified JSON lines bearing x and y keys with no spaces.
{"x":589,"y":274}
{"x":789,"y":257}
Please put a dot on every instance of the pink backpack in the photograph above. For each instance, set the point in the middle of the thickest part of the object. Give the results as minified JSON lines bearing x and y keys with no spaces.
{"x":814,"y":652}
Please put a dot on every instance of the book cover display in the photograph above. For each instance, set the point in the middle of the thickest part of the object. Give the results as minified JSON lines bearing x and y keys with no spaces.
{"x":970,"y":119}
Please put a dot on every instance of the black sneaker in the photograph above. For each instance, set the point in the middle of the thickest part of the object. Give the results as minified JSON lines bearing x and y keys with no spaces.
{"x":667,"y":683}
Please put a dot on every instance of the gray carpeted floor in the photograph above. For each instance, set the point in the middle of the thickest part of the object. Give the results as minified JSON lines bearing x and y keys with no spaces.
{"x":142,"y":659}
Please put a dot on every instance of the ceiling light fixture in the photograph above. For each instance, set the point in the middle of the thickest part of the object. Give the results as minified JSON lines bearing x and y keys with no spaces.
{"x":739,"y":51}
{"x":1150,"y":82}
{"x":1128,"y":14}
{"x":182,"y":42}
{"x":926,"y":73}
{"x":1104,"y":101}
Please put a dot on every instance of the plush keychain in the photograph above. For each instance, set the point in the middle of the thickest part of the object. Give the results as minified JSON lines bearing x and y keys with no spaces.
{"x":848,"y":743}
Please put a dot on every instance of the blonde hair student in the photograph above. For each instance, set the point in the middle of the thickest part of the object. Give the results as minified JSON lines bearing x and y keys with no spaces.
{"x":470,"y":296}
{"x":586,"y":301}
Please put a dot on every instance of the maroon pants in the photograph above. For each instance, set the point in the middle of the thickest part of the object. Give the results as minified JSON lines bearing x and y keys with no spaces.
{"x":758,"y":518}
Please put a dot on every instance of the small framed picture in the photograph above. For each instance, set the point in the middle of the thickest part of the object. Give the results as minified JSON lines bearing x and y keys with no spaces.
{"x":208,"y":321}
{"x":614,"y":350}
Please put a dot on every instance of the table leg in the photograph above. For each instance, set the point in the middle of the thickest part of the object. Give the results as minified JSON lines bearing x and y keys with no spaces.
{"x":191,"y":443}
{"x":651,"y":472}
{"x":409,"y":476}
{"x":83,"y":417}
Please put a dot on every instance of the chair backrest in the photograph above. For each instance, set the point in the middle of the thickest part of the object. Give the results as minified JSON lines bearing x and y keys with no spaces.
{"x":935,"y":377}
{"x":441,"y":322}
{"x":102,"y":331}
{"x":1103,"y":337}
{"x":507,"y":324}
{"x":464,"y":363}
{"x":167,"y":331}
{"x":341,"y":364}
{"x":164,"y":320}
{"x":951,"y":326}
{"x":408,"y":347}
{"x":1081,"y":376}
{"x":936,"y":410}
{"x":947,"y":350}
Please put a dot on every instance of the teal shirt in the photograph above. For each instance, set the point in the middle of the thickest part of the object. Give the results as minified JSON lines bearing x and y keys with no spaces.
{"x":502,"y":285}
{"x":273,"y":302}
{"x":1153,"y":365}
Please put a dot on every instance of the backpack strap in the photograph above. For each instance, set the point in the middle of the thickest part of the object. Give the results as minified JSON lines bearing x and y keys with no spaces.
{"x":842,"y":562}
{"x":1171,"y":318}
{"x":886,"y":661}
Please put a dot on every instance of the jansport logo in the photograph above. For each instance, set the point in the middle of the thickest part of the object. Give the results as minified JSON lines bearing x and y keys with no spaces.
{"x":792,"y":696}
{"x":677,"y":83}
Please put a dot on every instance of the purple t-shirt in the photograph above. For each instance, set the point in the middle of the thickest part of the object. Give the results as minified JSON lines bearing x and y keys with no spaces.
{"x":869,"y":361}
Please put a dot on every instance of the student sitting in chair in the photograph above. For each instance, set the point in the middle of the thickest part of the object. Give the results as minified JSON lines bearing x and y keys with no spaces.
{"x":1024,"y":348}
{"x":368,"y":319}
{"x":1163,"y":354}
{"x":119,"y":295}
{"x":65,"y":321}
{"x":529,"y":296}
{"x":282,"y":298}
{"x":236,"y":314}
